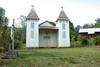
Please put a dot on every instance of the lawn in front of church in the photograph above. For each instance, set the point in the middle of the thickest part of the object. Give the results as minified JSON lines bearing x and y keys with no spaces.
{"x":54,"y":57}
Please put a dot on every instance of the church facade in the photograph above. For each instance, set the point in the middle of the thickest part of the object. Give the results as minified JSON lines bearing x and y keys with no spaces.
{"x":47,"y":34}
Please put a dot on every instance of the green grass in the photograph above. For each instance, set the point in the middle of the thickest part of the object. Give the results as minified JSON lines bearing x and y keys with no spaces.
{"x":63,"y":57}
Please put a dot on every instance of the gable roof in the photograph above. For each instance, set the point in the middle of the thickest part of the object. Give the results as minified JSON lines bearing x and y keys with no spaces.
{"x":63,"y":16}
{"x":89,"y":30}
{"x":52,"y":23}
{"x":32,"y":15}
{"x":47,"y":25}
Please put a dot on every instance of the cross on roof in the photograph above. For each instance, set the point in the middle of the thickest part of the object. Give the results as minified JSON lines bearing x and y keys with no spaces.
{"x":62,"y":7}
{"x":32,"y":6}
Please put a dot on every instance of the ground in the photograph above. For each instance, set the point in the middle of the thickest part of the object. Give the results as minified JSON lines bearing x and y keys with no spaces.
{"x":63,"y":57}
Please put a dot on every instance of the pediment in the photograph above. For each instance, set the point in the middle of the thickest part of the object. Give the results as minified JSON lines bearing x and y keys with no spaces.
{"x":50,"y":24}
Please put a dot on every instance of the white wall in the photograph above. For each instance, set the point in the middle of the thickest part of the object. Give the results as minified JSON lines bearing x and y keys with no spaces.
{"x":63,"y":42}
{"x":32,"y":42}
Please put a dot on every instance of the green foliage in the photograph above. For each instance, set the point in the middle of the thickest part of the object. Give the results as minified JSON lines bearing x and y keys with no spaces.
{"x":76,"y":32}
{"x":5,"y":38}
{"x":91,"y":41}
{"x":2,"y":9}
{"x":4,"y":31}
{"x":84,"y":41}
{"x":18,"y":44}
{"x":96,"y":40}
{"x":88,"y":26}
{"x":1,"y":49}
{"x":75,"y":44}
{"x":23,"y":45}
{"x":22,"y":19}
{"x":2,"y":12}
{"x":72,"y":31}
{"x":96,"y":25}
{"x":20,"y":37}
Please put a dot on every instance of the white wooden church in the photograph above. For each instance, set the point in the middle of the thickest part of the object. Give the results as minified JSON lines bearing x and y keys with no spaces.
{"x":47,"y":34}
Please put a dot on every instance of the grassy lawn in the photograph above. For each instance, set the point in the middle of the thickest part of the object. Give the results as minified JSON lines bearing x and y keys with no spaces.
{"x":63,"y":57}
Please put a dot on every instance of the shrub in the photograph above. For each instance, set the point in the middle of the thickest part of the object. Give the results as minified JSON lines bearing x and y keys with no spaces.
{"x":1,"y":49}
{"x":84,"y":41}
{"x":5,"y":39}
{"x":17,"y":44}
{"x":91,"y":41}
{"x":96,"y":40}
{"x":75,"y":44}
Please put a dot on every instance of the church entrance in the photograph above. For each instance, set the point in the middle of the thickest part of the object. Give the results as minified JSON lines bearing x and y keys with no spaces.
{"x":48,"y":38}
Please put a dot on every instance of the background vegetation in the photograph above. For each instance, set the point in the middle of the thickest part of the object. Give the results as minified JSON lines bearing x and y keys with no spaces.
{"x":76,"y":40}
{"x":4,"y":31}
{"x":20,"y":37}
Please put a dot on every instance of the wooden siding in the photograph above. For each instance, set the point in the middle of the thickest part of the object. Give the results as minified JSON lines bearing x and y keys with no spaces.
{"x":48,"y":38}
{"x":89,"y":35}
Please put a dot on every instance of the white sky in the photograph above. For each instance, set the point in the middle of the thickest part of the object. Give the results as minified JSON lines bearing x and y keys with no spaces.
{"x":79,"y":12}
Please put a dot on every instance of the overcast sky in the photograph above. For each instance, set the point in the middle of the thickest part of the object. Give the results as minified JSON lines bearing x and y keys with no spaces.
{"x":79,"y":12}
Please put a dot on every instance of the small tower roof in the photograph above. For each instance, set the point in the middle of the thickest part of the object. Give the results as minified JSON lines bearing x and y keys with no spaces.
{"x":62,"y":15}
{"x":32,"y":15}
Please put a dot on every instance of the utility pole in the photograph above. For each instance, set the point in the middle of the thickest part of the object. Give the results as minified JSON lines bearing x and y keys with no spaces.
{"x":13,"y":35}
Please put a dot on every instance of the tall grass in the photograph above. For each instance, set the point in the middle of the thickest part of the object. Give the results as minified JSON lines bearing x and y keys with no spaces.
{"x":63,"y":57}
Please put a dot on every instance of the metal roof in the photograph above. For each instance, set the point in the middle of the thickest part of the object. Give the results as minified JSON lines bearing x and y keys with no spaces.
{"x":89,"y":30}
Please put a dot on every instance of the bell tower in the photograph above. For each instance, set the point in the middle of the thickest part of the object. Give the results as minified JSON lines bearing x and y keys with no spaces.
{"x":32,"y":29}
{"x":63,"y":26}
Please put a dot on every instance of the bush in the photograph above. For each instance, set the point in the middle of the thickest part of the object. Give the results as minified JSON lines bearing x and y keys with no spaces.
{"x":84,"y":41}
{"x":96,"y":40}
{"x":5,"y":39}
{"x":75,"y":44}
{"x":17,"y":44}
{"x":91,"y":41}
{"x":1,"y":49}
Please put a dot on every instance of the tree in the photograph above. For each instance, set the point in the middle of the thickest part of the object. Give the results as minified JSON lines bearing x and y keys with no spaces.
{"x":5,"y":40}
{"x":88,"y":25}
{"x":77,"y":32}
{"x":20,"y":33}
{"x":72,"y":31}
{"x":22,"y":21}
{"x":2,"y":13}
{"x":4,"y":31}
{"x":97,"y":24}
{"x":20,"y":36}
